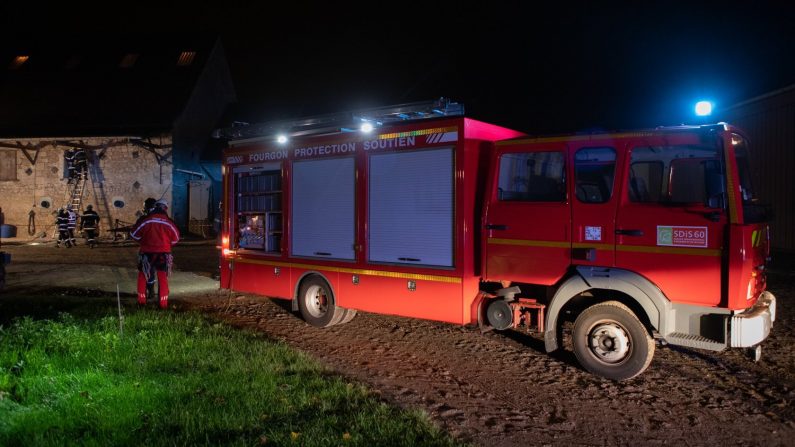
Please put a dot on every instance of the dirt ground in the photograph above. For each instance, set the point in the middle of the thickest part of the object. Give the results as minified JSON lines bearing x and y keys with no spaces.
{"x":499,"y":389}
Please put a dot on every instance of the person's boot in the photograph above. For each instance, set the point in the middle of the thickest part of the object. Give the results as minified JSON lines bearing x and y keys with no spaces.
{"x":162,"y":283}
{"x":141,"y":288}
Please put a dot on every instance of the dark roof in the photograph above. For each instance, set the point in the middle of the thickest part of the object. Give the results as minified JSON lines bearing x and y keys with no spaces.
{"x":76,"y":86}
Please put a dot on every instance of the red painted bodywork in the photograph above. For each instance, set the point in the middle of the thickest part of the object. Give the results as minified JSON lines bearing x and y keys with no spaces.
{"x":540,"y":242}
{"x":439,"y":293}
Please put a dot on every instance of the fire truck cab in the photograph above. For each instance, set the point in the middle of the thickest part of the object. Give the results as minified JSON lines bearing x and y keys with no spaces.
{"x":635,"y":236}
{"x":631,"y":236}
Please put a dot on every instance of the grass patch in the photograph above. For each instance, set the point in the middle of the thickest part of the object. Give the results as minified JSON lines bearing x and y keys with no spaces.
{"x":179,"y":379}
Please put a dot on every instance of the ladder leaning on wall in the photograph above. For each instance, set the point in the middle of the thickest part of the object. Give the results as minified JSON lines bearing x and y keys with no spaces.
{"x":73,"y":195}
{"x":76,"y":190}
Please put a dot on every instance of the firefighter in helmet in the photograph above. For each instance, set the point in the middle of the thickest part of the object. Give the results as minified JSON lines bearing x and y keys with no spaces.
{"x":71,"y":224}
{"x":156,"y":233}
{"x":62,"y":223}
{"x":89,"y":223}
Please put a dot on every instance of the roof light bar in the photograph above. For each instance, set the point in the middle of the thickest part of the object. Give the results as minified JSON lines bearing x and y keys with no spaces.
{"x":344,"y":122}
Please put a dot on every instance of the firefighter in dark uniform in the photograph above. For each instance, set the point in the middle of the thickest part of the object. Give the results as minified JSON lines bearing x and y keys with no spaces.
{"x":80,"y":162}
{"x":89,"y":223}
{"x":69,"y":158}
{"x":62,"y":222}
{"x":71,"y":224}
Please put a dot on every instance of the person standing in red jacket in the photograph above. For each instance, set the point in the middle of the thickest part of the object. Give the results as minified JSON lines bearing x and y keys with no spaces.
{"x":156,"y":233}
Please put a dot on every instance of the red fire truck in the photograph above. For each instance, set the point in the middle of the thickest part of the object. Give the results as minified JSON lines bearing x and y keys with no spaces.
{"x":632,"y":236}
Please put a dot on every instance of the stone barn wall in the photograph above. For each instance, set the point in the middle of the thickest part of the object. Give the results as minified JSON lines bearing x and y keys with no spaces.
{"x":121,"y":176}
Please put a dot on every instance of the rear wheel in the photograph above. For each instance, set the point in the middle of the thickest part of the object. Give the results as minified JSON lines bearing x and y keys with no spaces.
{"x":611,"y":342}
{"x":316,"y":303}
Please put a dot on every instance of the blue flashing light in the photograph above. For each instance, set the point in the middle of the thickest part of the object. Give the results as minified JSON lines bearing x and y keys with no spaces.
{"x":703,"y":108}
{"x":281,"y":139}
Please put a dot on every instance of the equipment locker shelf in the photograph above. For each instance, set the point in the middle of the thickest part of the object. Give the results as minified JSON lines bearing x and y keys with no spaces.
{"x":259,"y":210}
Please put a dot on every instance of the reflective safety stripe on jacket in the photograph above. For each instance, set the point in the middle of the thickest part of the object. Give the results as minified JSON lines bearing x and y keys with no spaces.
{"x":156,"y":233}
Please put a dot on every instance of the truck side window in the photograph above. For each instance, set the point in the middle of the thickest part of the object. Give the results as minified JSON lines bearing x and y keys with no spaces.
{"x":671,"y":174}
{"x":594,"y":169}
{"x":532,"y":177}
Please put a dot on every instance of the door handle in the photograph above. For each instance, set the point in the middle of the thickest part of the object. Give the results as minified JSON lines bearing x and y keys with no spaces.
{"x":496,"y":227}
{"x":629,"y":232}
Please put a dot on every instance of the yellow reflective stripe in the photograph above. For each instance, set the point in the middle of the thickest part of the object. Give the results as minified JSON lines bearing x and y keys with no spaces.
{"x":526,"y":243}
{"x":670,"y":250}
{"x":380,"y":273}
{"x":626,"y":248}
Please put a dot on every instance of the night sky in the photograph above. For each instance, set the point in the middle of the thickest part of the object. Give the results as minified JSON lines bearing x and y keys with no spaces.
{"x":536,"y":68}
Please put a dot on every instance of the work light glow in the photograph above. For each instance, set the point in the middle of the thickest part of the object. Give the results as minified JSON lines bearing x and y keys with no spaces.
{"x":703,"y":108}
{"x":367,"y":127}
{"x":281,"y":139}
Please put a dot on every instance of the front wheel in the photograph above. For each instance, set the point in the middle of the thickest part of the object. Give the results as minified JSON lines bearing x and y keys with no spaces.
{"x":316,"y":303}
{"x":611,"y":342}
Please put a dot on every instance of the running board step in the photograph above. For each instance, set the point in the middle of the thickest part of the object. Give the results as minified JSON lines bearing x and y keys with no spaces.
{"x":694,"y":341}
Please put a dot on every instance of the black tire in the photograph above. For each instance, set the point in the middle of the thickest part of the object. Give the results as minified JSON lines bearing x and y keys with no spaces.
{"x":609,"y":341}
{"x":316,"y":303}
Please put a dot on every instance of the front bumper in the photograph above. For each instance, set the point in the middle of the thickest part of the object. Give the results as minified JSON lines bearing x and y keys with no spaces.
{"x":753,"y":325}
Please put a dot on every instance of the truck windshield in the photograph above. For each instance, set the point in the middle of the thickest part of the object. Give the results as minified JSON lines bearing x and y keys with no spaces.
{"x":753,"y":211}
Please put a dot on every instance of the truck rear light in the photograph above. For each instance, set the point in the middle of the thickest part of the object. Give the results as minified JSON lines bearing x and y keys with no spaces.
{"x":225,"y":242}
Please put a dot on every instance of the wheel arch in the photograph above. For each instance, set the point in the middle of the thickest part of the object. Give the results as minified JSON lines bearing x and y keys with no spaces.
{"x":645,"y":299}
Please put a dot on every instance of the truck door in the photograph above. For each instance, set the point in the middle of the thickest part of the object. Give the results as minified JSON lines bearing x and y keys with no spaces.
{"x":594,"y":203}
{"x":528,"y":217}
{"x":665,"y":229}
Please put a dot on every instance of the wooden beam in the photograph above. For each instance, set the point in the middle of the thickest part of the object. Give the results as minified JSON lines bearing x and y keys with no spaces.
{"x":90,"y":147}
{"x":153,"y":148}
{"x":25,"y":147}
